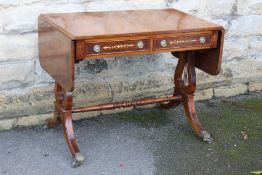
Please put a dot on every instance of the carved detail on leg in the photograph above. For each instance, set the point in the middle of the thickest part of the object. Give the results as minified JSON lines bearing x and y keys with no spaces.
{"x":71,"y":139}
{"x":178,"y":81}
{"x":191,"y":75}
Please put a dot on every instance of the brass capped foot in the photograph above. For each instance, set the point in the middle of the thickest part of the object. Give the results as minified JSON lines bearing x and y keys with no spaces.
{"x":206,"y":137}
{"x":79,"y":159}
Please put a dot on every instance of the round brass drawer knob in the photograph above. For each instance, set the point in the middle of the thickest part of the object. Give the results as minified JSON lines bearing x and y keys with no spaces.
{"x":163,"y":43}
{"x":97,"y":48}
{"x":140,"y":44}
{"x":202,"y":40}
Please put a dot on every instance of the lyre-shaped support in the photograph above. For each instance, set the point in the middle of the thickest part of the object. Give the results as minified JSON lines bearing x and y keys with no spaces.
{"x":186,"y":62}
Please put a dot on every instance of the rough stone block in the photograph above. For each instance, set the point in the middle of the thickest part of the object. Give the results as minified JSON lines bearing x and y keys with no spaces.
{"x":41,"y":77}
{"x":239,"y":72}
{"x":91,"y":93}
{"x":217,"y":9}
{"x":5,"y":3}
{"x":256,"y":48}
{"x":2,"y":100}
{"x":23,"y":19}
{"x":18,"y":47}
{"x":185,"y":5}
{"x":16,"y":74}
{"x":225,"y":77}
{"x":236,"y":48}
{"x":257,"y":86}
{"x":33,"y":120}
{"x":246,"y":26}
{"x":124,"y":5}
{"x":221,"y":22}
{"x":1,"y":23}
{"x":7,"y":124}
{"x":154,"y":84}
{"x":232,"y":90}
{"x":35,"y":101}
{"x":204,"y":94}
{"x":247,"y":7}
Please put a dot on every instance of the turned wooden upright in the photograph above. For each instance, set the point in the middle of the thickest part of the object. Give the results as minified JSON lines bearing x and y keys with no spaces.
{"x":65,"y":39}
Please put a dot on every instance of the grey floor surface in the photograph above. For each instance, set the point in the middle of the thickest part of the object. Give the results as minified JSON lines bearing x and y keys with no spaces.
{"x":114,"y":145}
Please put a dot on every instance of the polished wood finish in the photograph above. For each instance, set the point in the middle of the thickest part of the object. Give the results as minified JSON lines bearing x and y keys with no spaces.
{"x":94,"y":25}
{"x":210,"y":61}
{"x":56,"y":54}
{"x":66,"y":39}
{"x":191,"y":41}
{"x":152,"y":44}
{"x":62,"y":114}
{"x":116,"y":105}
{"x":112,"y":47}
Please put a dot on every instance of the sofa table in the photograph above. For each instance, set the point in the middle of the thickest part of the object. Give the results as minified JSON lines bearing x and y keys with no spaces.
{"x":67,"y":38}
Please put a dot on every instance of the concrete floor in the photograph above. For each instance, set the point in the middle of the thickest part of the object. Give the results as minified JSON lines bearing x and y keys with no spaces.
{"x":144,"y":142}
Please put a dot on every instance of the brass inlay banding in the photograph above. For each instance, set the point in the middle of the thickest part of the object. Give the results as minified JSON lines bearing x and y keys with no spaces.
{"x":187,"y":41}
{"x":118,"y":46}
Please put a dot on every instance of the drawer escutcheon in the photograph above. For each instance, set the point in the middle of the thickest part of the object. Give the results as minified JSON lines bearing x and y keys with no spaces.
{"x":97,"y":48}
{"x":140,"y":44}
{"x":202,"y":40}
{"x":163,"y":43}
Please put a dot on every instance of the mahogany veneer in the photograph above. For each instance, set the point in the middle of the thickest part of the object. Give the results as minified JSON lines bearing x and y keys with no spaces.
{"x":65,"y":39}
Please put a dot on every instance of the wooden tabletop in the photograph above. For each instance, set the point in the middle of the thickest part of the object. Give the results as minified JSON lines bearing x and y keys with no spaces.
{"x":89,"y":25}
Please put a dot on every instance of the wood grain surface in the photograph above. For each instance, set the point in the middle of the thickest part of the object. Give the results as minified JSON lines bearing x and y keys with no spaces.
{"x":93,"y":25}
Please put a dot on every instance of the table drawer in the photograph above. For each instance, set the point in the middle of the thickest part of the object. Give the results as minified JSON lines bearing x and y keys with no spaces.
{"x":89,"y":49}
{"x":194,"y":41}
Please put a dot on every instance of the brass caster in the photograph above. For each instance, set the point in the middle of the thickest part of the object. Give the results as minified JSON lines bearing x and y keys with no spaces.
{"x":206,"y":137}
{"x":79,"y":159}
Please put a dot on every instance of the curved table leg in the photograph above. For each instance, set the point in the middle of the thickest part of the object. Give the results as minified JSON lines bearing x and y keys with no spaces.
{"x":189,"y":107}
{"x":178,"y":81}
{"x":71,"y":139}
{"x":63,"y":104}
{"x":187,"y":61}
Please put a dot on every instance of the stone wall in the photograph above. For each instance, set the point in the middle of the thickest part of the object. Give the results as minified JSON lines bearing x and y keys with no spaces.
{"x":26,"y":90}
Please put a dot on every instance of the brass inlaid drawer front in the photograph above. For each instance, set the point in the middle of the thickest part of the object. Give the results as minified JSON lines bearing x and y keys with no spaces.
{"x":170,"y":42}
{"x":89,"y":49}
{"x":99,"y":48}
